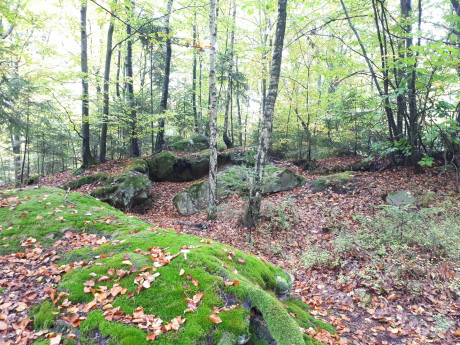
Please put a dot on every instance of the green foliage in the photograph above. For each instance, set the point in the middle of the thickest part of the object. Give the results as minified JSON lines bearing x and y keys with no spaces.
{"x":426,"y":161}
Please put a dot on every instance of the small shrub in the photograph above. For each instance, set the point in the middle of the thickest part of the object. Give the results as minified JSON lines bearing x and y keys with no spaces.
{"x":315,"y":256}
{"x":278,"y":217}
{"x":338,"y":182}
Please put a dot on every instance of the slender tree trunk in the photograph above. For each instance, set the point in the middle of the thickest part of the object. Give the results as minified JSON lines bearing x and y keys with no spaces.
{"x":152,"y":141}
{"x":87,"y":158}
{"x":251,"y":215}
{"x":105,"y":110}
{"x":194,"y":81}
{"x":165,"y":89}
{"x":134,"y":143}
{"x":228,"y":142}
{"x":117,"y":84}
{"x":238,"y":105}
{"x":212,"y":211}
{"x":389,"y":112}
{"x":16,"y":145}
{"x":26,"y":143}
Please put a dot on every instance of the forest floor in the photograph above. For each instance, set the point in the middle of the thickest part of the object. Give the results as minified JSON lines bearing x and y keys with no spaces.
{"x":403,"y":294}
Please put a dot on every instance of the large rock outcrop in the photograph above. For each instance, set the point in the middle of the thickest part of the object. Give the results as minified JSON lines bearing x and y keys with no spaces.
{"x":234,"y":179}
{"x":167,"y":167}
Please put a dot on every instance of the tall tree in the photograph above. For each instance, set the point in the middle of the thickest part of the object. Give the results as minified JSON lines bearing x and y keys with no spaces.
{"x":227,"y":140}
{"x":87,"y":158}
{"x":134,"y":142}
{"x":105,"y":110}
{"x":212,"y":210}
{"x":252,"y":212}
{"x":167,"y":69}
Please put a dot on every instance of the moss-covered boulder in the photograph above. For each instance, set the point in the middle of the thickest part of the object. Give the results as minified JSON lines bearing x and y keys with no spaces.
{"x":143,"y":283}
{"x":339,"y":183}
{"x":88,"y":179}
{"x":231,"y":180}
{"x":195,"y":143}
{"x":125,"y":191}
{"x":167,"y":167}
{"x":161,"y":166}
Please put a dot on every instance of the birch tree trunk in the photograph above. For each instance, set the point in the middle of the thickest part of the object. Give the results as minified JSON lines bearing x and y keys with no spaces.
{"x":87,"y":158}
{"x":194,"y":81}
{"x":105,"y":110}
{"x":251,"y":215}
{"x":227,"y":140}
{"x":212,"y":211}
{"x":165,"y":88}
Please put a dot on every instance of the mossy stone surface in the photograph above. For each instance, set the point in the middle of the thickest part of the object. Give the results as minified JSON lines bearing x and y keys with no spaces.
{"x":338,"y":183}
{"x":127,"y":190}
{"x":195,"y":143}
{"x":161,"y":166}
{"x":98,"y":177}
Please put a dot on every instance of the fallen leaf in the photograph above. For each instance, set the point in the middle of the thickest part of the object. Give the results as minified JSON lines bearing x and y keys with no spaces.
{"x":215,"y":319}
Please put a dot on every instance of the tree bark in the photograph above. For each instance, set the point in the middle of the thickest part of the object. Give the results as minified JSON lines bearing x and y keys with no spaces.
{"x":228,"y":142}
{"x":105,"y":110}
{"x":194,"y":81}
{"x":134,"y":143}
{"x":165,"y":88}
{"x":238,"y":105}
{"x":212,"y":210}
{"x":251,"y":215}
{"x":87,"y":158}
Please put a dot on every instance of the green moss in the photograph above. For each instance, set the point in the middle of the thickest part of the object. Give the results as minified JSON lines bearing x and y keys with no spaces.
{"x":103,"y":191}
{"x":39,"y":202}
{"x":208,"y":263}
{"x":31,"y":180}
{"x":98,"y":177}
{"x":304,"y":318}
{"x":161,"y":166}
{"x":195,"y":143}
{"x":338,"y":182}
{"x":78,"y":171}
{"x":43,"y":316}
{"x":139,"y":165}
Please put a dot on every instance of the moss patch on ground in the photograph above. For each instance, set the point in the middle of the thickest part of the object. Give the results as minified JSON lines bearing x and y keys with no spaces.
{"x":207,"y":268}
{"x":338,"y":182}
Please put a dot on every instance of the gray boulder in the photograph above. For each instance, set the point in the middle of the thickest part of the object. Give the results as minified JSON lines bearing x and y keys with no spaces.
{"x":400,"y":198}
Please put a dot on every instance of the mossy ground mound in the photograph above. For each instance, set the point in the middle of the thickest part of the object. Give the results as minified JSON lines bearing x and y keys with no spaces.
{"x":207,"y":268}
{"x":339,"y":183}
